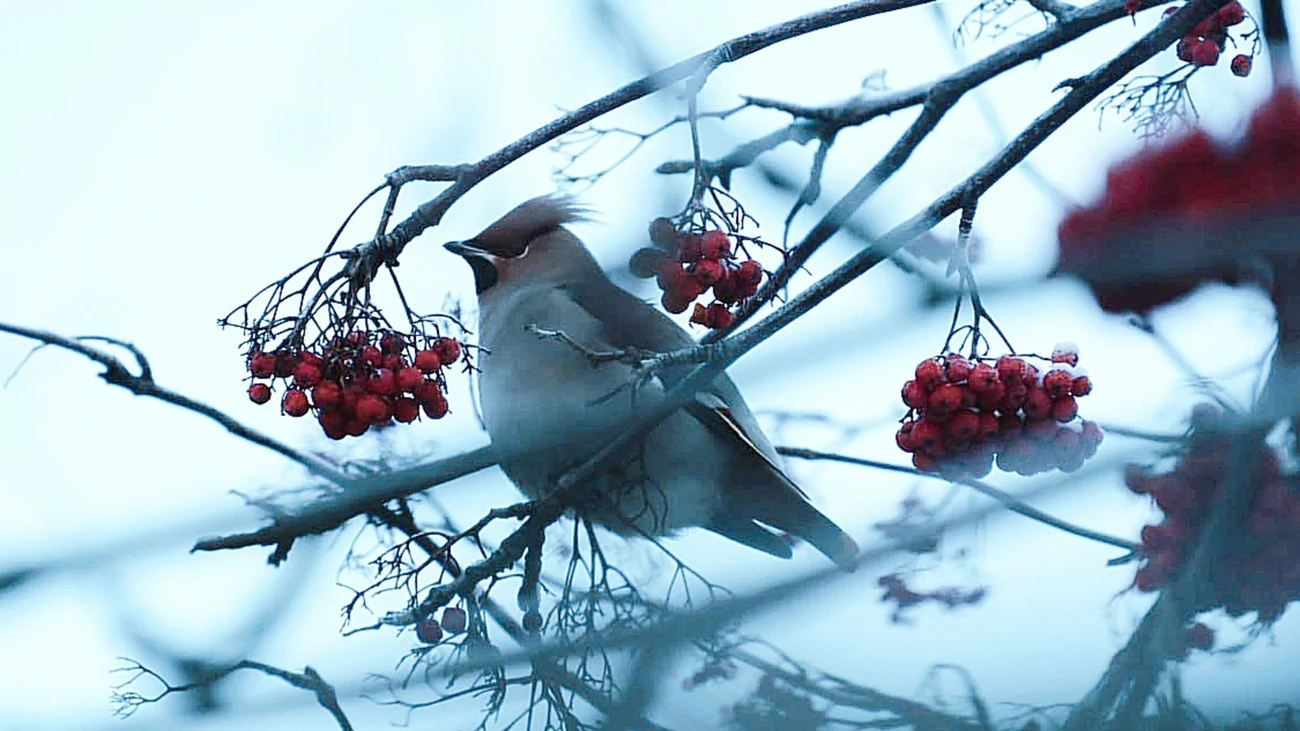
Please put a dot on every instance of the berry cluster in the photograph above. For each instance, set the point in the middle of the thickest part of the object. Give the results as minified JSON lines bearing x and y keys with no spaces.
{"x":454,"y":621}
{"x":1258,"y":570}
{"x":1192,"y":186}
{"x":962,"y":415}
{"x":361,"y":381}
{"x":687,"y":265}
{"x":1203,"y":44}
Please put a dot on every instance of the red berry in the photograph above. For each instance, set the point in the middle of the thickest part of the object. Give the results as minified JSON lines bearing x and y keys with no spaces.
{"x":904,"y":437}
{"x":427,"y":361}
{"x":261,"y":365}
{"x":956,"y":367}
{"x":1010,"y":368}
{"x":428,"y":392}
{"x":924,"y":462}
{"x":714,"y":245}
{"x":454,"y":620}
{"x":356,"y":427}
{"x":988,"y":427}
{"x":334,"y":423}
{"x":700,"y":315}
{"x":1081,"y":386}
{"x":310,"y":358}
{"x":929,"y":374}
{"x":306,"y":375}
{"x":983,"y":377}
{"x":1199,"y":636}
{"x":448,"y":350}
{"x":730,"y":290}
{"x":1184,"y":48}
{"x":749,"y":274}
{"x":1241,"y":64}
{"x":294,"y":402}
{"x":1009,"y":425}
{"x":914,"y":396}
{"x":405,"y":409}
{"x":371,"y":356}
{"x":991,"y":397}
{"x":285,"y":362}
{"x":963,"y":426}
{"x":946,"y":398}
{"x":1231,"y":14}
{"x":393,"y":362}
{"x":383,"y":383}
{"x":392,"y":344}
{"x":327,"y":395}
{"x":1038,"y":405}
{"x":674,"y":302}
{"x":688,"y":248}
{"x":372,"y":409}
{"x":718,"y":316}
{"x":663,"y":234}
{"x":429,"y":631}
{"x":409,"y":378}
{"x":1202,"y":51}
{"x":259,"y":393}
{"x":1131,"y":6}
{"x":707,"y":272}
{"x":435,"y":408}
{"x":1057,"y":383}
{"x":645,"y":262}
{"x":1170,"y":11}
{"x":927,"y":437}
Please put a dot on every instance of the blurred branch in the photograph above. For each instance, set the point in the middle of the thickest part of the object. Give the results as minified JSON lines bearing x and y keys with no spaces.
{"x":386,"y":247}
{"x":308,"y":679}
{"x":1010,"y":502}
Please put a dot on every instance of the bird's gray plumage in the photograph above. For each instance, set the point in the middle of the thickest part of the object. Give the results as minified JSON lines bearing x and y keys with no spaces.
{"x":708,"y":464}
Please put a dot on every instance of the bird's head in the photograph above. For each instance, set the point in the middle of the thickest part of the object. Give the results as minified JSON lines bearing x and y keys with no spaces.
{"x":527,"y":246}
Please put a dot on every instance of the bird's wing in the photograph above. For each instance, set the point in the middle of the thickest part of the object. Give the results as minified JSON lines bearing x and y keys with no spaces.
{"x":759,"y":490}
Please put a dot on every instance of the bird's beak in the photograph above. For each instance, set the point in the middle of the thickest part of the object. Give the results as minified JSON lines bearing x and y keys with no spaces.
{"x":465,"y":249}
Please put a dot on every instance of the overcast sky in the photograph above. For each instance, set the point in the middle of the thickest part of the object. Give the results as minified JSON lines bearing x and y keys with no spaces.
{"x":159,"y":164}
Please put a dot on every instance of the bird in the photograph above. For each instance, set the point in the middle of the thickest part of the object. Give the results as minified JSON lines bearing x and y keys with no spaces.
{"x":548,"y":405}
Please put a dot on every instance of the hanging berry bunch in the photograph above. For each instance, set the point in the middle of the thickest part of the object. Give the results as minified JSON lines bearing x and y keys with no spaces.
{"x":431,"y":631}
{"x":323,"y":343}
{"x":965,"y":414}
{"x":1167,"y":211}
{"x":1203,"y":45}
{"x":688,"y":265}
{"x":354,"y":383}
{"x":1258,"y":570}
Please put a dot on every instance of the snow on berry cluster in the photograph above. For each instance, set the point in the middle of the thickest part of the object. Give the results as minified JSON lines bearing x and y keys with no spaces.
{"x":430,"y":630}
{"x":1192,"y":183}
{"x":364,"y":380}
{"x":1258,"y":570}
{"x":688,"y":265}
{"x":962,"y":415}
{"x":1203,"y":43}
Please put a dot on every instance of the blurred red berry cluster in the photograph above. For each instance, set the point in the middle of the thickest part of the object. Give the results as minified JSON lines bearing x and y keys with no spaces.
{"x":363,"y":380}
{"x":904,"y":597}
{"x":688,"y":265}
{"x":1190,"y":184}
{"x":1259,"y":569}
{"x":430,"y":630}
{"x":962,"y":415}
{"x":1203,"y":44}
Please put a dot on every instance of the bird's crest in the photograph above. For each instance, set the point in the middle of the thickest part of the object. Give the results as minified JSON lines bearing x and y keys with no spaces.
{"x":509,"y":236}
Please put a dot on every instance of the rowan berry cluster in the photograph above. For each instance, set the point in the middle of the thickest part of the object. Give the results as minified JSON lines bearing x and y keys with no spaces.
{"x":430,"y":630}
{"x":1192,"y":182}
{"x":962,"y":415}
{"x":364,"y":380}
{"x":1203,"y":44}
{"x":688,"y":265}
{"x":1258,"y":568}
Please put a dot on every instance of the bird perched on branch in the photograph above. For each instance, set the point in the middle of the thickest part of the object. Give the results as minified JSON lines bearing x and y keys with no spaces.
{"x":707,"y":464}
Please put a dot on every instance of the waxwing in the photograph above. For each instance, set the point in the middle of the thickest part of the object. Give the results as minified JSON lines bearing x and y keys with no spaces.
{"x":707,"y":464}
